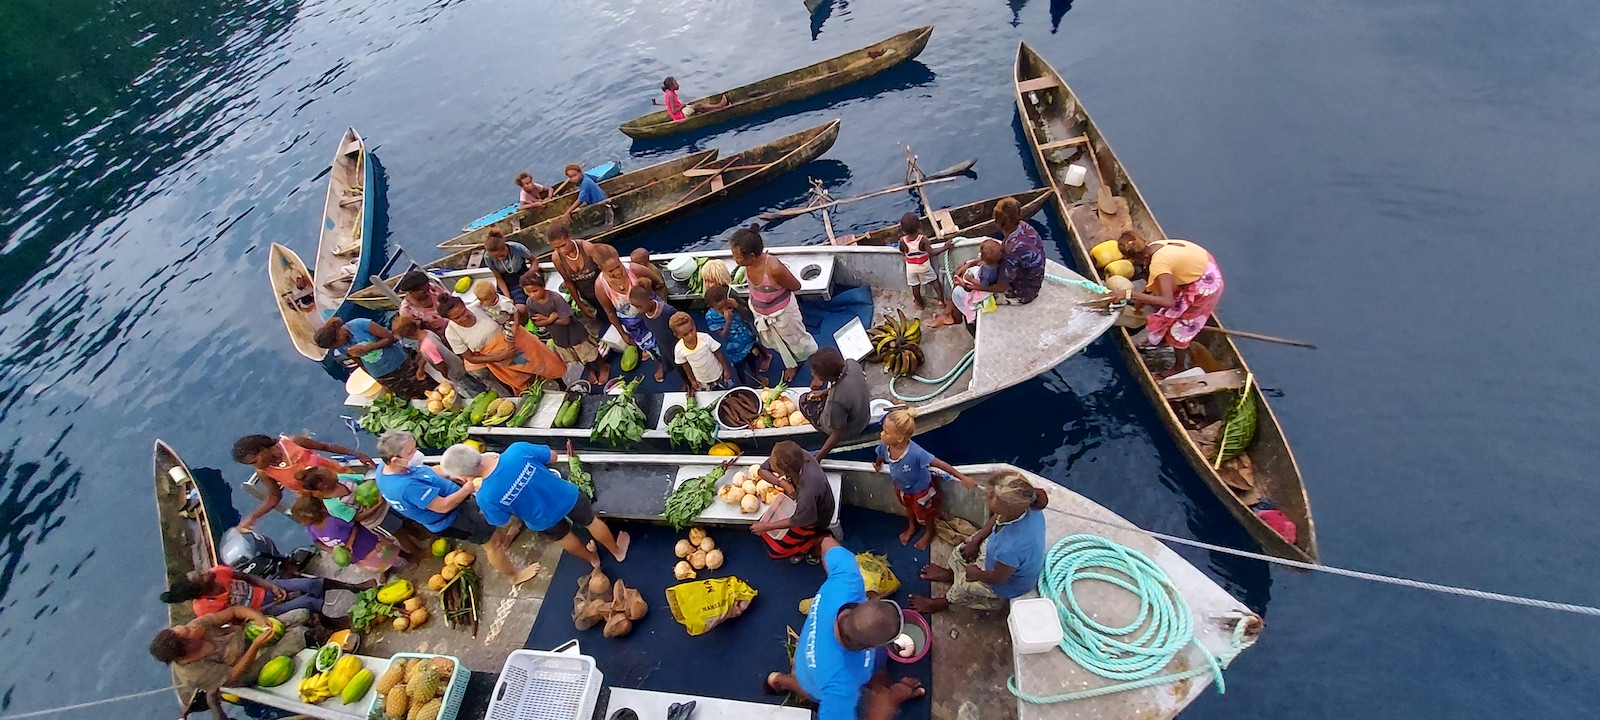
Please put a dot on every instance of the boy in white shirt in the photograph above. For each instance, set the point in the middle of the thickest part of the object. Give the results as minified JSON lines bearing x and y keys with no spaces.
{"x":700,"y":356}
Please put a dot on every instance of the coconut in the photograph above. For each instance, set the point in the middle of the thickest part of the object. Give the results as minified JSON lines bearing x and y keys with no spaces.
{"x":683,"y":570}
{"x":683,"y":548}
{"x":748,"y":486}
{"x":415,"y":603}
{"x":707,"y":544}
{"x":696,"y":535}
{"x":437,"y":582}
{"x":735,"y":494}
{"x":763,"y":486}
{"x":450,"y":572}
{"x":636,"y":606}
{"x":749,"y":504}
{"x":697,"y":559}
{"x":713,"y":561}
{"x":599,"y":584}
{"x":418,"y":617}
{"x":795,"y":419}
{"x":401,"y":623}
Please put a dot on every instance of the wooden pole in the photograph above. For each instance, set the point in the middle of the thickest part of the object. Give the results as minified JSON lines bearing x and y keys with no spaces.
{"x":1259,"y":336}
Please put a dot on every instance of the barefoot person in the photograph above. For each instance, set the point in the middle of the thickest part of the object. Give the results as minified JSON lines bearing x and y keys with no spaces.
{"x":920,"y":271}
{"x":777,"y":311}
{"x":222,"y":587}
{"x":519,"y":485}
{"x":800,"y":477}
{"x":551,"y":313}
{"x":910,"y":469}
{"x":211,"y":652}
{"x":675,"y":107}
{"x":1022,"y":255}
{"x":836,"y":660}
{"x":575,"y":261}
{"x":733,"y":325}
{"x":441,"y":506}
{"x":1002,"y":560}
{"x":1183,"y":288}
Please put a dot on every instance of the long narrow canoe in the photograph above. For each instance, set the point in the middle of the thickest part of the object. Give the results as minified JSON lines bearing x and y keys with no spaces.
{"x":186,"y":541}
{"x":811,"y":80}
{"x":564,"y":195}
{"x":1061,"y":134}
{"x":344,"y":248}
{"x":294,"y":289}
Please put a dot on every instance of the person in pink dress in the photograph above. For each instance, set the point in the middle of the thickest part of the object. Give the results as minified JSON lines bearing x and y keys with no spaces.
{"x":677,"y":110}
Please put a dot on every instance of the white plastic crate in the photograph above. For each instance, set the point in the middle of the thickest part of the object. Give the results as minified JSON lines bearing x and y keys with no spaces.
{"x":542,"y":685}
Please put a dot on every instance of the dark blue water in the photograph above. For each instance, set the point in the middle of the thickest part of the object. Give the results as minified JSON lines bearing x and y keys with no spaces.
{"x":1408,"y":184}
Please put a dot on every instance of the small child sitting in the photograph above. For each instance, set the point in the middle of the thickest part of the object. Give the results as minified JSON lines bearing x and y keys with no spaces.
{"x":699,"y":356}
{"x":909,"y":468}
{"x":974,"y":275}
{"x":498,"y":307}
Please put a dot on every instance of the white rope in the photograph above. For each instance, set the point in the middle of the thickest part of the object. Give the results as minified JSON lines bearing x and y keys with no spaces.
{"x":1358,"y":574}
{"x":80,"y":706}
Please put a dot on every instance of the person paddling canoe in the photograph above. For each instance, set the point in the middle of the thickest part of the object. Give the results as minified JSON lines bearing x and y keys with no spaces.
{"x":1182,"y":289}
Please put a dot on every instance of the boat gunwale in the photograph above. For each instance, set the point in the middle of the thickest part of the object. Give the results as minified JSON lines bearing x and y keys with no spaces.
{"x":658,"y":124}
{"x":1266,"y":536}
{"x":326,"y":243}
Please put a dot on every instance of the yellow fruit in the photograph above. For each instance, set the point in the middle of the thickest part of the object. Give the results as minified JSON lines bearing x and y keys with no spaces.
{"x":1120,"y":267}
{"x":437,"y":583}
{"x":475,"y":444}
{"x":723,"y":449}
{"x":425,"y":687}
{"x":435,"y":406}
{"x":431,"y":710}
{"x":357,"y":687}
{"x":1105,"y":253}
{"x":413,"y":669}
{"x":419,"y":616}
{"x":450,"y":572}
{"x":402,"y":624}
{"x":346,"y":668}
{"x":391,"y":677}
{"x":414,"y":604}
{"x":395,"y":702}
{"x":465,"y":559}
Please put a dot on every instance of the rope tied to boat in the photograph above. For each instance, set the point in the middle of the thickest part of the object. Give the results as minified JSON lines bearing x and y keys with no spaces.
{"x":1133,"y":652}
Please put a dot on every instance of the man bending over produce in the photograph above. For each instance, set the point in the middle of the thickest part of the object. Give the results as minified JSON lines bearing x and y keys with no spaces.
{"x":836,"y":661}
{"x":439,"y":505}
{"x":519,"y":485}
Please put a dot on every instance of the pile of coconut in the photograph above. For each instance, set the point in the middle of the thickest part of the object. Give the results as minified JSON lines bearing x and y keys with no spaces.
{"x":748,"y":491}
{"x":698,"y":552}
{"x":599,"y":600}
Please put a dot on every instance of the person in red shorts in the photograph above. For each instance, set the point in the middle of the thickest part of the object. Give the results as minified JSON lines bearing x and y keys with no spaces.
{"x":800,"y":477}
{"x":911,"y":469}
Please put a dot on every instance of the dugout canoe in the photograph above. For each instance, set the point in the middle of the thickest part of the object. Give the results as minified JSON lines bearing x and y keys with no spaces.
{"x":685,"y":191}
{"x":294,"y":290}
{"x":186,"y":540}
{"x":514,"y":220}
{"x":345,"y":238}
{"x":1061,"y":134}
{"x":766,"y":94}
{"x":970,"y":220}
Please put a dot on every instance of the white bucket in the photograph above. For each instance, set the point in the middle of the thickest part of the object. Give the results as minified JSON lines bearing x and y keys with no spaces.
{"x":1075,"y":175}
{"x":1035,"y":628}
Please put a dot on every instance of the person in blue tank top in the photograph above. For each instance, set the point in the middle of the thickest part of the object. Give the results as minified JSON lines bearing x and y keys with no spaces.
{"x":837,"y":663}
{"x":518,"y":484}
{"x":589,"y":193}
{"x":1002,"y":560}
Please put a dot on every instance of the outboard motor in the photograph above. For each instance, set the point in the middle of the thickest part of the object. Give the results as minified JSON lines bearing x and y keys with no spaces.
{"x":250,"y":552}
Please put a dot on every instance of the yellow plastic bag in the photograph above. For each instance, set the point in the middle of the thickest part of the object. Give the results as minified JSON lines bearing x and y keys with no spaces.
{"x":877,"y":575}
{"x":704,"y":604}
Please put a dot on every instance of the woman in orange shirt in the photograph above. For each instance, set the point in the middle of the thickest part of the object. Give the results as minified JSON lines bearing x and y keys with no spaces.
{"x":277,"y":461}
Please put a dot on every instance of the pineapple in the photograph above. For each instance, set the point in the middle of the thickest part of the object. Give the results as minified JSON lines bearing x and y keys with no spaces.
{"x":431,"y":710}
{"x":445,"y":667}
{"x":394,"y":704}
{"x":391,"y":677}
{"x":425,"y":687}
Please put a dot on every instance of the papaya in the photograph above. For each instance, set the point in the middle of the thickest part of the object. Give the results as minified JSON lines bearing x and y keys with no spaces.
{"x":396,"y":592}
{"x":357,"y":687}
{"x":479,"y":409}
{"x":568,"y":417}
{"x":723,"y":449}
{"x":341,"y":556}
{"x":464,"y":284}
{"x":630,"y":358}
{"x":342,"y":672}
{"x":276,"y":672}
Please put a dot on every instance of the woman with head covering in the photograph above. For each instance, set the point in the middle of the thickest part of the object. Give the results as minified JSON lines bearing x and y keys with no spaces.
{"x":1000,"y":561}
{"x":1182,"y":289}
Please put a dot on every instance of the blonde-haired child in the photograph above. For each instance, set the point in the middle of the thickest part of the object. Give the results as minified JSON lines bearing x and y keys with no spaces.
{"x":910,"y":469}
{"x":498,"y":307}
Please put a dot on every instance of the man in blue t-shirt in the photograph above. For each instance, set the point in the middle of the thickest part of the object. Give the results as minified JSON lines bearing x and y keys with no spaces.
{"x":443,"y":507}
{"x":370,"y":346}
{"x":519,"y":484}
{"x":836,"y":661}
{"x":1002,"y":560}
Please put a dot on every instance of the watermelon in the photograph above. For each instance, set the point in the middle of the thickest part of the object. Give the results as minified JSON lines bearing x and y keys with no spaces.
{"x":341,"y":556}
{"x":276,"y":672}
{"x":367,"y":493}
{"x":254,"y":630}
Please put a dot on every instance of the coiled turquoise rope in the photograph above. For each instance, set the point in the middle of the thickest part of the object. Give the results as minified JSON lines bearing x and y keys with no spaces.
{"x":1133,"y":652}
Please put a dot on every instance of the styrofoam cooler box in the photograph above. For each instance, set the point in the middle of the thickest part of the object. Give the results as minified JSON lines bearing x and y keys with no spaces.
{"x":1035,"y":627}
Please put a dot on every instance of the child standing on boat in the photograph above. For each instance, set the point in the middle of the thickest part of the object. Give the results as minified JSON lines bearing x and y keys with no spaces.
{"x":507,"y":261}
{"x":911,"y":469}
{"x":699,"y":356}
{"x":655,"y":317}
{"x":919,"y":254}
{"x":573,"y":342}
{"x":733,"y":325}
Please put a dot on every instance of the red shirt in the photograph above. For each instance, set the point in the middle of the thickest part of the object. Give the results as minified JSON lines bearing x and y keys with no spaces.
{"x":237,"y":592}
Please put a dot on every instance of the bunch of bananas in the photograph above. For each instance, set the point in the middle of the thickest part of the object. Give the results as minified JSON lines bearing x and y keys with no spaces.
{"x":315,"y":689}
{"x":896,"y":342}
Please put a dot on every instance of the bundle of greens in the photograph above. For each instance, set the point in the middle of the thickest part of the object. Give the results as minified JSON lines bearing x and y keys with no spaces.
{"x":577,"y":475}
{"x":620,"y":420}
{"x":693,"y":428}
{"x":692,"y":498}
{"x":368,"y":612}
{"x":431,"y":430}
{"x":1238,"y":426}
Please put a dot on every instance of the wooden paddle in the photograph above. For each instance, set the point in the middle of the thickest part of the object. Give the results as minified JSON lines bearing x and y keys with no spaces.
{"x":1261,"y":337}
{"x":945,"y":175}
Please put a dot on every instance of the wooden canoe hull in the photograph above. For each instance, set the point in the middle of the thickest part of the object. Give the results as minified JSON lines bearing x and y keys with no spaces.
{"x":1053,"y":114}
{"x":816,"y":79}
{"x":664,"y":200}
{"x":619,"y":185}
{"x":347,"y":222}
{"x":186,"y":542}
{"x":290,"y":284}
{"x":972,"y":219}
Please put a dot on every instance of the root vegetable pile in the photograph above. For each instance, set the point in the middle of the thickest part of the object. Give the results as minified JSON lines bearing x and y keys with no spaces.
{"x":739,"y":408}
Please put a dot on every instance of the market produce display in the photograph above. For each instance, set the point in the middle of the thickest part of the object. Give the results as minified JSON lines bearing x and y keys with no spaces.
{"x":748,"y":492}
{"x":693,"y":497}
{"x":693,"y":428}
{"x":620,"y":420}
{"x":442,"y":399}
{"x":528,"y":404}
{"x":698,"y":552}
{"x":276,"y":672}
{"x":896,"y":342}
{"x":332,"y":673}
{"x":567,"y":414}
{"x":459,"y":588}
{"x":739,"y":408}
{"x":432,"y":430}
{"x":778,"y":410}
{"x":599,"y":600}
{"x":413,"y":689}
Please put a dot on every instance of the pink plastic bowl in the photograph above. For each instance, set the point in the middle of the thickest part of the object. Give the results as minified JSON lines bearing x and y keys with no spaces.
{"x":916,"y":626}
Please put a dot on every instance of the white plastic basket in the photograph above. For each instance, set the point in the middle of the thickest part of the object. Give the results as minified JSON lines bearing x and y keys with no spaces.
{"x":542,"y":685}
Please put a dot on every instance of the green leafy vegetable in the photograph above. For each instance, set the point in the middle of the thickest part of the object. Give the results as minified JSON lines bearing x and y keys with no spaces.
{"x":580,"y":477}
{"x":620,"y":420}
{"x":693,"y":428}
{"x":431,"y":430}
{"x":367,"y":611}
{"x":1238,"y":426}
{"x":692,"y":498}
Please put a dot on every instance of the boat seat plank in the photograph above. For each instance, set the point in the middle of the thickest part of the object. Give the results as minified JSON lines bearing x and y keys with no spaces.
{"x":1059,"y":144}
{"x":943,"y":223}
{"x":716,"y":183}
{"x":1195,"y":386}
{"x":1038,"y":83}
{"x":702,"y":172}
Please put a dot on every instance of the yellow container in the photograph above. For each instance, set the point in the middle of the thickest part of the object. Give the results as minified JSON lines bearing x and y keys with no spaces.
{"x":1105,"y":253}
{"x":1121,"y":268}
